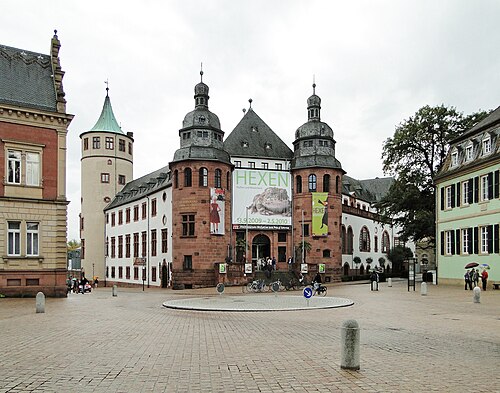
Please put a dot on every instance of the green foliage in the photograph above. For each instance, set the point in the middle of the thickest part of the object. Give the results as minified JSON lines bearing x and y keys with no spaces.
{"x":414,"y":155}
{"x":381,"y":261}
{"x":369,"y":260}
{"x":398,"y":254}
{"x":356,"y":260}
{"x":73,"y":245}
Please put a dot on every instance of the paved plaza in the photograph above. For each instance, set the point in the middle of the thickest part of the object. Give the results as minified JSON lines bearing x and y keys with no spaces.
{"x":95,"y":342}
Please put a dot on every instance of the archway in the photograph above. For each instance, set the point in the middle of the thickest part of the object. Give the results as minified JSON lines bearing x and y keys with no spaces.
{"x":261,"y":248}
{"x":346,"y":269}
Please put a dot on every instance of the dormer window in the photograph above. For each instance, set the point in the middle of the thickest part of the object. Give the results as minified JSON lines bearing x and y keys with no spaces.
{"x":268,"y":146}
{"x":486,"y":145}
{"x":454,"y":158}
{"x":255,"y":129}
{"x":468,"y":153}
{"x":244,"y":144}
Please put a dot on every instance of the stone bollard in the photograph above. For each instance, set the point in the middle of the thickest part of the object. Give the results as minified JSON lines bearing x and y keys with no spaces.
{"x":115,"y":290}
{"x":389,"y":282}
{"x":423,"y":288}
{"x":40,"y":302}
{"x":349,"y":345}
{"x":477,"y":294}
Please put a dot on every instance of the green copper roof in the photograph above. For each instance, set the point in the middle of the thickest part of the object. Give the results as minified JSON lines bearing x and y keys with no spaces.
{"x":107,"y":120}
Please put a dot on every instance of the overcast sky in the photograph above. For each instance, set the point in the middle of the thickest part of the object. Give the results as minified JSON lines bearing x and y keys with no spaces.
{"x":376,"y":63}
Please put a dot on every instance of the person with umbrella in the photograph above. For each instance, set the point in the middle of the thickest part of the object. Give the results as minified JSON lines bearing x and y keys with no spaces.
{"x":475,"y":277}
{"x":467,"y":278}
{"x":484,"y":278}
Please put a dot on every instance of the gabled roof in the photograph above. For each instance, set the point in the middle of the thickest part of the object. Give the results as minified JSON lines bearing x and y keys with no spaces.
{"x":26,"y":79}
{"x":252,"y":137}
{"x":492,"y":118}
{"x":370,"y":190}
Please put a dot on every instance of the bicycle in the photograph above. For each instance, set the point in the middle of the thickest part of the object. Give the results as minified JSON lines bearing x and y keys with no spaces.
{"x":281,"y":287}
{"x":318,"y":289}
{"x":257,"y":286}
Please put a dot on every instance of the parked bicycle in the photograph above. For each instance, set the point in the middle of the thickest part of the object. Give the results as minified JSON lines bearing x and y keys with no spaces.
{"x":281,"y":287}
{"x":257,"y":286}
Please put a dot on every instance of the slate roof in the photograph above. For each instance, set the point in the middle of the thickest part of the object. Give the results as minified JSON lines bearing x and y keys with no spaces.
{"x":492,"y":118}
{"x":26,"y":79}
{"x":370,"y":190}
{"x":139,"y":188}
{"x":252,"y":137}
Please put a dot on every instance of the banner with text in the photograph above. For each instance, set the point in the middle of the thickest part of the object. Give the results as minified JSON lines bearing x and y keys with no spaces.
{"x":217,"y":209}
{"x":320,"y":214}
{"x":262,"y":196}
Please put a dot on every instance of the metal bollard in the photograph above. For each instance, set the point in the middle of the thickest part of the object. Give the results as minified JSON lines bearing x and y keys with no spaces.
{"x":115,"y":290}
{"x":350,"y":345}
{"x":389,"y":282}
{"x":423,"y":288}
{"x":40,"y":302}
{"x":477,"y":294}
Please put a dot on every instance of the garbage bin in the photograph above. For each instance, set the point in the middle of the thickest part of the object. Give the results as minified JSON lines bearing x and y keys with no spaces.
{"x":428,"y":277}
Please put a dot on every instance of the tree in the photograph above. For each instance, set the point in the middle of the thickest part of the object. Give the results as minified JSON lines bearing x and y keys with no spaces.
{"x":414,"y":155}
{"x":397,"y":255}
{"x":73,"y":245}
{"x":298,"y":249}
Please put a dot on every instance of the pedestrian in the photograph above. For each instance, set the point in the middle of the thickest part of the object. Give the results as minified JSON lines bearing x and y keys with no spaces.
{"x":475,"y":277}
{"x":273,"y":262}
{"x":83,"y":281}
{"x":484,"y":278}
{"x":96,"y":282}
{"x":466,"y":278}
{"x":374,"y":280}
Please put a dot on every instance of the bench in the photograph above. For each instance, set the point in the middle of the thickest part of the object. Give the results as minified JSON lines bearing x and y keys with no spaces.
{"x":496,"y":284}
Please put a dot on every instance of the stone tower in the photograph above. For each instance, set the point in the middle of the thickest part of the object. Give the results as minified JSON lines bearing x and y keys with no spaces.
{"x":106,"y":166}
{"x":317,"y":177}
{"x":201,"y":173}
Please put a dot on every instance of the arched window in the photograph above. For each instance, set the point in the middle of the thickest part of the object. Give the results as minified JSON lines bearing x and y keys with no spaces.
{"x":326,"y":253}
{"x":386,"y":244}
{"x":298,"y":188}
{"x":187,"y":177}
{"x":350,"y":241}
{"x":176,"y":178}
{"x":343,"y":239}
{"x":364,"y":239}
{"x":312,"y":182}
{"x":228,"y":180}
{"x":203,"y":181}
{"x":375,"y":241}
{"x":218,"y":178}
{"x":337,"y":184}
{"x":326,"y":183}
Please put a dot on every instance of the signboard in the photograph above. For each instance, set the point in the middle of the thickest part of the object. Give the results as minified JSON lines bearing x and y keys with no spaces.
{"x":248,"y":268}
{"x":217,"y":210}
{"x":308,"y":292}
{"x":139,"y":261}
{"x":222,"y":268}
{"x":320,"y":214}
{"x":321,"y":268}
{"x":303,"y":268}
{"x":262,"y":199}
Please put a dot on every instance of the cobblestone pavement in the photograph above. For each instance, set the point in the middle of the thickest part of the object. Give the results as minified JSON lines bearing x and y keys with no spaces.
{"x":441,"y":342}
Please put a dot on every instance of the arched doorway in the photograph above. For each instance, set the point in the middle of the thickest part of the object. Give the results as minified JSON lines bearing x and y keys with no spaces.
{"x":164,"y":275}
{"x":346,"y":269}
{"x":261,"y":248}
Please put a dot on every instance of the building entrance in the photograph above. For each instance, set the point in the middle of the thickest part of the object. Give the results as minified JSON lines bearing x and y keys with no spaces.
{"x":261,"y":249}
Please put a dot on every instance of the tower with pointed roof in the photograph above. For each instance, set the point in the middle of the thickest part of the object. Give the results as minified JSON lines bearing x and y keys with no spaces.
{"x":106,"y":166}
{"x":201,"y":173}
{"x":317,"y":177}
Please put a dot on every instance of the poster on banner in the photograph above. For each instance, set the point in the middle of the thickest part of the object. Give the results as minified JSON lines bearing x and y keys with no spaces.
{"x":263,"y":197}
{"x":248,"y":268}
{"x":320,"y":214}
{"x":217,"y":208}
{"x":303,"y":268}
{"x":321,"y":268}
{"x":222,"y":268}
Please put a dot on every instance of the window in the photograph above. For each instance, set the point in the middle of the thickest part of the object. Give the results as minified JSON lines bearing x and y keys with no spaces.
{"x":144,"y":243}
{"x":281,"y":254}
{"x":106,"y":252}
{"x":127,"y":246}
{"x":312,"y":183}
{"x":187,"y":177}
{"x":164,"y":240}
{"x":484,"y":188}
{"x":120,"y":217}
{"x":454,"y":159}
{"x":484,"y":240}
{"x":186,"y":135}
{"x":188,"y":262}
{"x":130,"y":148}
{"x":136,"y":272}
{"x":448,"y":194}
{"x":96,"y":142}
{"x":337,"y":183}
{"x":364,"y":240}
{"x":449,"y":242}
{"x":350,"y":241}
{"x":120,"y":271}
{"x":465,"y":193}
{"x":466,"y":241}
{"x":113,"y":270}
{"x":486,"y":146}
{"x":237,"y":164}
{"x":386,"y":243}
{"x":265,"y":165}
{"x":14,"y":165}
{"x":228,"y":180}
{"x":127,"y":272}
{"x":326,"y":254}
{"x":203,"y":177}
{"x":308,"y":143}
{"x":188,"y":225}
{"x":32,"y":169}
{"x":218,"y":178}
{"x":153,"y":207}
{"x":375,"y":243}
{"x":121,"y":145}
{"x":153,"y":273}
{"x":121,"y":179}
{"x":251,"y":164}
{"x":144,"y":210}
{"x":85,"y":143}
{"x":305,"y":230}
{"x":279,"y":167}
{"x":326,"y":183}
{"x":109,"y":143}
{"x":136,"y":213}
{"x":468,"y":153}
{"x":176,"y":178}
{"x":298,"y":186}
{"x":113,"y":247}
{"x":82,"y":252}
{"x":104,"y":177}
{"x":113,"y":221}
{"x":281,"y":237}
{"x":136,"y":245}
{"x":14,"y":230}
{"x":120,"y":246}
{"x":127,"y":215}
{"x":153,"y":242}
{"x":323,"y":143}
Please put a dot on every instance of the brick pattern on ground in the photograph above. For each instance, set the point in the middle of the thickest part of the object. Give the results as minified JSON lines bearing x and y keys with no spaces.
{"x":442,"y":342}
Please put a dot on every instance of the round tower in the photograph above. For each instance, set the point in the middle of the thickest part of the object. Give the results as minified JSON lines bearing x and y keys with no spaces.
{"x":317,"y":198}
{"x":201,"y":173}
{"x":106,"y":166}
